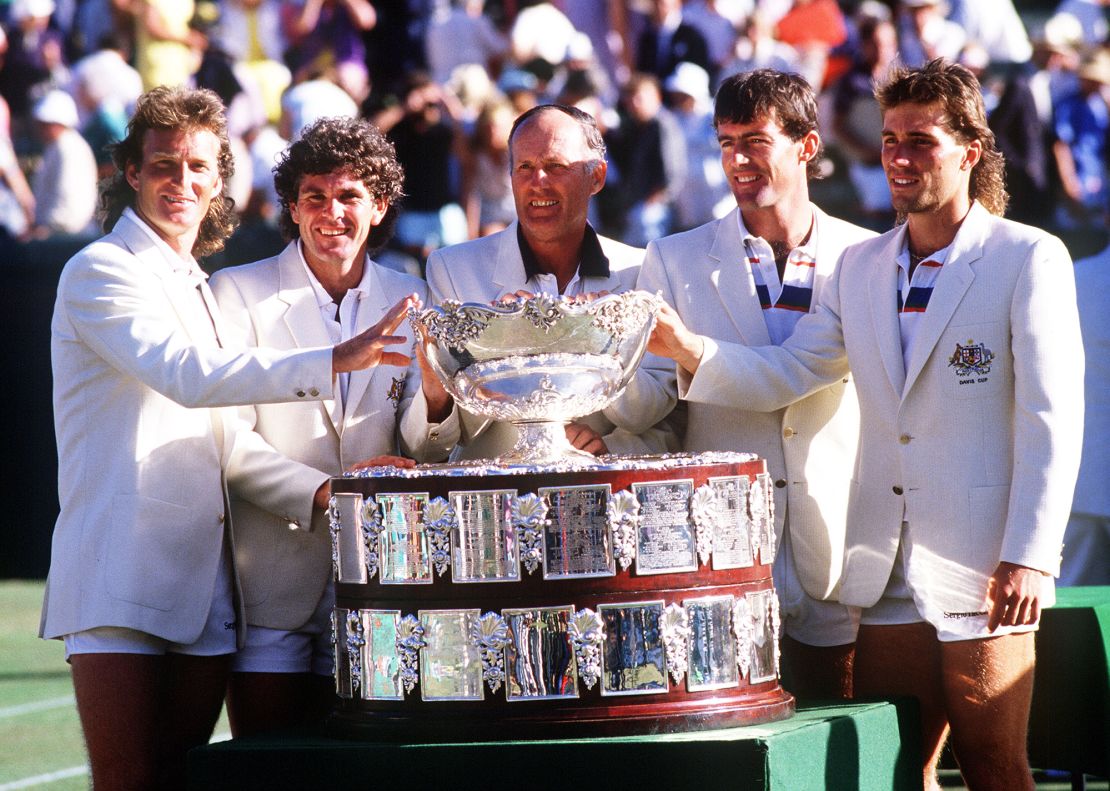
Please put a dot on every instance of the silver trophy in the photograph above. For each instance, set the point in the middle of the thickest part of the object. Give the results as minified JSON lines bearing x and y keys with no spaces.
{"x":538,"y":362}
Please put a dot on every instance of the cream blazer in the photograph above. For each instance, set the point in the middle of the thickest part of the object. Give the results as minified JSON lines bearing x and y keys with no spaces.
{"x":282,"y":548}
{"x":975,"y":444}
{"x":809,"y":446}
{"x":483,"y":270}
{"x":136,"y":370}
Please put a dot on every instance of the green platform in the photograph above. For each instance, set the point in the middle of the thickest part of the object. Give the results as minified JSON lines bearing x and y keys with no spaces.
{"x":1069,"y":727}
{"x":867,"y":746}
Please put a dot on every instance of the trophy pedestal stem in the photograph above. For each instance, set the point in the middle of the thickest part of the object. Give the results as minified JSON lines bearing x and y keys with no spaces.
{"x":543,"y":442}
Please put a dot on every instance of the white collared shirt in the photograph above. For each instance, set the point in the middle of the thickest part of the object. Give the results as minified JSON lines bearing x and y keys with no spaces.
{"x":544,"y":283}
{"x":342,"y":328}
{"x":784,"y":302}
{"x":191,"y":276}
{"x":914,"y":293}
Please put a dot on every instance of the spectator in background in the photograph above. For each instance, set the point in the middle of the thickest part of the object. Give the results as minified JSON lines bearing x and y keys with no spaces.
{"x":460,"y":34}
{"x":487,"y":188}
{"x":326,"y":36}
{"x":249,"y":31}
{"x":422,"y":128}
{"x":668,"y":41}
{"x":995,"y":26}
{"x":105,"y":88}
{"x":1087,"y":538}
{"x":17,"y":202}
{"x":307,"y":102}
{"x":1092,"y":16}
{"x":540,"y":30}
{"x":925,"y":32}
{"x":167,"y":49}
{"x":648,"y":153}
{"x":858,"y":121}
{"x":1055,"y":61}
{"x":65,"y":182}
{"x":813,"y":28}
{"x":705,"y":194}
{"x":718,"y":31}
{"x":1082,"y":124}
{"x":34,"y":61}
{"x":757,"y":48}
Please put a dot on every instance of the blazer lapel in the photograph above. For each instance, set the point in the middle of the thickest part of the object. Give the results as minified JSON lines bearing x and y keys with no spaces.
{"x":508,"y":270}
{"x":302,"y":315}
{"x":883,"y":297}
{"x":951,"y":285}
{"x":735,"y":284}
{"x":371,"y":308}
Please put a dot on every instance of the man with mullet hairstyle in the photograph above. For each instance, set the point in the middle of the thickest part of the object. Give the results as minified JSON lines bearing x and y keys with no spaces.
{"x":961,"y":333}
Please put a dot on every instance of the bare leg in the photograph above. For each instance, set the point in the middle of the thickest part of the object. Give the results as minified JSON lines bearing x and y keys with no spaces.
{"x":905,"y":660}
{"x":817,"y":672}
{"x":141,"y":714}
{"x":988,"y":689}
{"x":260,"y":702}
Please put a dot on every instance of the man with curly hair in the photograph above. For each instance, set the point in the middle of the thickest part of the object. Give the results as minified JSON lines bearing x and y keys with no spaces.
{"x":961,"y":332}
{"x":140,"y":584}
{"x":339,"y":185}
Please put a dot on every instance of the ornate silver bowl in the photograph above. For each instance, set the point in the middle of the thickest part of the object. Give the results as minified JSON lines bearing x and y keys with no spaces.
{"x":538,"y":362}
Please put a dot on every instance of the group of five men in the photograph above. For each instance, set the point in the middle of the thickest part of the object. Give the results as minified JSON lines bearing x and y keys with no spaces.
{"x":917,"y":544}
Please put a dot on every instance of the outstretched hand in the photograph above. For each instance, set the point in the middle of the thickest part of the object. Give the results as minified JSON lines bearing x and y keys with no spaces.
{"x":671,"y":338}
{"x":368,"y":348}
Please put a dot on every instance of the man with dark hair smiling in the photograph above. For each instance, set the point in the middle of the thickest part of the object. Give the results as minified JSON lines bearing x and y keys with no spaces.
{"x":339,"y":185}
{"x":140,"y":583}
{"x":748,"y":278}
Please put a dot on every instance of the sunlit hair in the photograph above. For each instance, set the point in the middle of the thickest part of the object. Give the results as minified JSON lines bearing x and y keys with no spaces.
{"x":178,"y":109}
{"x":350,"y":146}
{"x":586,"y":122}
{"x":763,"y":93}
{"x":957,"y":91}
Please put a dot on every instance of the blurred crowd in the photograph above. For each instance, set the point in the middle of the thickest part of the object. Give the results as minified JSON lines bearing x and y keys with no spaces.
{"x":444,"y":79}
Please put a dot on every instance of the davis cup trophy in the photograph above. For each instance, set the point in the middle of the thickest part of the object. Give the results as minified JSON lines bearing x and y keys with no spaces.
{"x":550,"y":593}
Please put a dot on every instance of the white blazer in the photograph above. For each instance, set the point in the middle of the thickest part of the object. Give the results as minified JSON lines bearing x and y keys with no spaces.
{"x":979,"y":464}
{"x":136,"y":366}
{"x":273,"y":476}
{"x":810,"y":446}
{"x":483,"y":270}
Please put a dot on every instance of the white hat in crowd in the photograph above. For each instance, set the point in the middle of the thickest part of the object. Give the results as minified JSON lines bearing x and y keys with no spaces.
{"x":56,"y":107}
{"x":690,"y":79}
{"x":26,"y":9}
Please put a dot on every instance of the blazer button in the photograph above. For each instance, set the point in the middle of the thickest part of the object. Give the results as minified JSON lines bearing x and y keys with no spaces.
{"x":314,"y":392}
{"x":788,"y":432}
{"x":299,"y":393}
{"x":220,"y":519}
{"x":897,"y":489}
{"x":905,"y":439}
{"x":433,"y":435}
{"x":780,"y":484}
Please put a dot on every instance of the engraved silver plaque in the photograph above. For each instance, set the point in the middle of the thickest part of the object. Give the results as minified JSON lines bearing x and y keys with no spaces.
{"x":381,"y":665}
{"x":632,"y":657}
{"x":712,"y":644}
{"x":539,"y":658}
{"x":484,"y":547}
{"x":732,"y":541}
{"x":764,"y":643}
{"x":350,"y":549}
{"x":666,"y":541}
{"x":343,"y":677}
{"x":405,"y":556}
{"x":450,"y":665}
{"x":576,"y":541}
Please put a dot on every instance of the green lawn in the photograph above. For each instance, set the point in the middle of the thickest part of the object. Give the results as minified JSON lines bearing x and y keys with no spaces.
{"x":39,"y":730}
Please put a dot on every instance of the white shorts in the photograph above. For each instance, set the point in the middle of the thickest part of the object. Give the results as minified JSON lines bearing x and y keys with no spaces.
{"x":899,"y":604}
{"x":808,"y":620}
{"x":304,"y":650}
{"x":217,"y":637}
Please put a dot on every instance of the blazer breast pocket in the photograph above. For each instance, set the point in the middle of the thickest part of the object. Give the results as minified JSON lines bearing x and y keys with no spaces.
{"x":974,"y":360}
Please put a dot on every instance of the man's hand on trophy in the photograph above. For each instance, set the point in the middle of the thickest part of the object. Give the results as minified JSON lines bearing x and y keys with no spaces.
{"x":367,"y":349}
{"x":438,"y":400}
{"x":672,"y":338}
{"x":585,"y":438}
{"x":323,"y":493}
